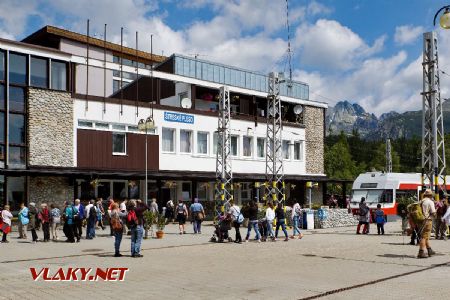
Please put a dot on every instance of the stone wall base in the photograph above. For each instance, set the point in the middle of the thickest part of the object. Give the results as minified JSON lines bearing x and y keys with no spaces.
{"x":50,"y":190}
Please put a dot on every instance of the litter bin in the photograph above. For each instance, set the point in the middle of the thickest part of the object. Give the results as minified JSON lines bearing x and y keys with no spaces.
{"x":310,"y":219}
{"x":304,"y":220}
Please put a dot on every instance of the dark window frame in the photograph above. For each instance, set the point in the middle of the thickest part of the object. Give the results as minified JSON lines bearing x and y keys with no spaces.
{"x":47,"y":69}
{"x":68,"y":83}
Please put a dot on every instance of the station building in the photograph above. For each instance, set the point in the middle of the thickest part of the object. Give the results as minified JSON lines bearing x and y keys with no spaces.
{"x":69,"y":111}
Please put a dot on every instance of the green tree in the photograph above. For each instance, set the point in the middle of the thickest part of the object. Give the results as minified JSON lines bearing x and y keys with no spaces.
{"x":338,"y":160}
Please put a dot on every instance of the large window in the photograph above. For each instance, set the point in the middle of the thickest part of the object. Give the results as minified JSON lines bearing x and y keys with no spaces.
{"x":2,"y":65}
{"x":17,"y":68}
{"x":185,"y":141}
{"x":59,"y":75}
{"x":234,"y":145}
{"x":17,"y":157}
{"x":247,"y":144}
{"x":298,"y":150}
{"x":215,"y":141}
{"x":261,"y":147}
{"x":285,"y":148}
{"x":2,"y":127}
{"x":119,"y":143}
{"x":2,"y":96}
{"x":2,"y":190}
{"x":16,"y":129}
{"x":39,"y":72}
{"x":2,"y":156}
{"x":168,"y":140}
{"x":202,"y":142}
{"x":16,"y":192}
{"x":16,"y":99}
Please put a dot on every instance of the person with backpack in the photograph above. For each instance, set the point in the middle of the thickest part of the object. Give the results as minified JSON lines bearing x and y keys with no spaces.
{"x":68,"y":229}
{"x":116,"y":217}
{"x":364,"y":217}
{"x":379,"y":219}
{"x":295,"y":215}
{"x":237,"y":218}
{"x":441,"y":227}
{"x":198,"y":214}
{"x":55,"y":217}
{"x":428,"y":212}
{"x":182,"y":215}
{"x":91,"y":216}
{"x":78,"y":220}
{"x":23,"y":221}
{"x":32,"y":213}
{"x":135,"y":220}
{"x":253,"y":222}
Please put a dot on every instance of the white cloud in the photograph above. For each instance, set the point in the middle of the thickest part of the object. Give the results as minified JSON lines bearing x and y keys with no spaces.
{"x":13,"y":19}
{"x":329,"y":45}
{"x":407,"y":34}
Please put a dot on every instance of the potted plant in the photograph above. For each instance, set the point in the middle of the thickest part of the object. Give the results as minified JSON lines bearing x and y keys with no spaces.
{"x":150,"y":219}
{"x":160,"y":224}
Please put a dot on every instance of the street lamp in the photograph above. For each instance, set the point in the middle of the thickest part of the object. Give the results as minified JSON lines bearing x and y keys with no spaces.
{"x":444,"y":20}
{"x":144,"y":126}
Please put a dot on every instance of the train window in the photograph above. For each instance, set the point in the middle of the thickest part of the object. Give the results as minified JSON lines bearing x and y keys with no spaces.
{"x":370,"y":185}
{"x":387,"y":197}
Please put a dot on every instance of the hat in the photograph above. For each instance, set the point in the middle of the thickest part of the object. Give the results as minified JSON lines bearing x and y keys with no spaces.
{"x":428,"y":192}
{"x":32,"y":204}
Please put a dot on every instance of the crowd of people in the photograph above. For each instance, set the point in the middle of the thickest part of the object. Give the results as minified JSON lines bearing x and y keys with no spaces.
{"x":423,"y":217}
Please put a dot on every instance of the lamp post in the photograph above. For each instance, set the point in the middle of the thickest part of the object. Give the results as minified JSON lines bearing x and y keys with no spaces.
{"x":144,"y":126}
{"x":444,"y":20}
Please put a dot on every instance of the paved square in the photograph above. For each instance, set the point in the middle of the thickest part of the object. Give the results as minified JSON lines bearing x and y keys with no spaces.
{"x":330,"y":264}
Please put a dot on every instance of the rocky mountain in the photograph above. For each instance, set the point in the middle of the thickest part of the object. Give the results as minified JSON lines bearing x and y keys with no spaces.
{"x":348,"y":117}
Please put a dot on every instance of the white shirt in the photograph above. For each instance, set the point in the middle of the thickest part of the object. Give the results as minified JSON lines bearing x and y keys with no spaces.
{"x":87,"y":209}
{"x":6,"y":216}
{"x":446,"y":217}
{"x":234,"y":211}
{"x":270,"y":214}
{"x":123,"y":207}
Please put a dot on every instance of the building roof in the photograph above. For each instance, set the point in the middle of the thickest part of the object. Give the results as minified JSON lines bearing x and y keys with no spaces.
{"x":46,"y":36}
{"x":37,"y":47}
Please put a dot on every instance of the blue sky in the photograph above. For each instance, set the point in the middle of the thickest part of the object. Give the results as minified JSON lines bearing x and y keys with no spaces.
{"x":365,"y":51}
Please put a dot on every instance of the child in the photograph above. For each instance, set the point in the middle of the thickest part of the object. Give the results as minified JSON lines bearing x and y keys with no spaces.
{"x":379,"y":219}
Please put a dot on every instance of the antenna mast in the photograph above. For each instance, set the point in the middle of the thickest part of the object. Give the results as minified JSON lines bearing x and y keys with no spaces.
{"x":388,"y":156}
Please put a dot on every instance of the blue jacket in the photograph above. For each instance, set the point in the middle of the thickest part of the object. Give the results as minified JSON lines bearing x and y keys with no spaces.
{"x":81,"y":213}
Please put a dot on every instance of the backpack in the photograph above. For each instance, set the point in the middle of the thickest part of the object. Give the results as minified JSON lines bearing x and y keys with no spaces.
{"x":363,"y":211}
{"x":92,"y":213}
{"x":132,"y":218}
{"x":116,"y":225}
{"x":379,"y":217}
{"x":181,"y":209}
{"x":416,"y":213}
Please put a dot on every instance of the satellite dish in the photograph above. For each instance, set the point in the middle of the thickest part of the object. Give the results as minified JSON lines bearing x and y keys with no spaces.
{"x":186,"y":103}
{"x":298,"y":109}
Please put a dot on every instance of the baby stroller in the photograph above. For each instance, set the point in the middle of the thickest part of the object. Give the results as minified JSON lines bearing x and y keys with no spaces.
{"x":222,"y":227}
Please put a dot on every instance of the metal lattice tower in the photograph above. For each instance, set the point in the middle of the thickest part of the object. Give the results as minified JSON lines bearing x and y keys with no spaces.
{"x":388,"y":156}
{"x":433,"y":152}
{"x":274,"y":156}
{"x":224,"y":175}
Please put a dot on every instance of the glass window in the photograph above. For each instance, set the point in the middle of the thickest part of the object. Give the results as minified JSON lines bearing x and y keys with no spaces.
{"x":119,"y":143}
{"x":39,"y":72}
{"x":16,"y":129}
{"x":116,"y":85}
{"x":17,"y":157}
{"x":133,"y":128}
{"x":2,"y":189}
{"x":17,"y":68}
{"x":116,"y":59}
{"x":246,"y":191}
{"x":285,"y":148}
{"x":2,"y":156}
{"x":202,"y":142}
{"x":2,"y":65}
{"x":247,"y":144}
{"x":203,"y":190}
{"x":215,"y":141}
{"x":16,"y":192}
{"x":87,"y":124}
{"x":116,"y":73}
{"x":261,"y":149}
{"x":59,"y":75}
{"x":2,"y":96}
{"x":298,"y":150}
{"x":185,"y":141}
{"x":16,"y":98}
{"x":168,"y":139}
{"x":102,"y":125}
{"x":2,"y":127}
{"x":118,"y":127}
{"x":234,"y":145}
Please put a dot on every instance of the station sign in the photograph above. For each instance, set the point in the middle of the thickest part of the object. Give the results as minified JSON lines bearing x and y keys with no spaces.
{"x":179,"y":118}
